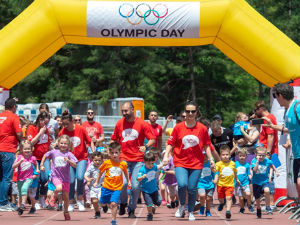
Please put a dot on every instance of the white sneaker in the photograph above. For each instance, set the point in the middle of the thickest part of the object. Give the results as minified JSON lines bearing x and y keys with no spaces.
{"x":37,"y":206}
{"x":191,"y":216}
{"x":92,"y":207}
{"x":81,"y":207}
{"x":180,"y":212}
{"x":71,"y":207}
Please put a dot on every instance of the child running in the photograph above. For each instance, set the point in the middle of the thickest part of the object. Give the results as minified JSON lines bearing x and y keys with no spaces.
{"x":206,"y":187}
{"x":113,"y":180}
{"x":244,"y":175}
{"x":226,"y":175}
{"x":24,"y":163}
{"x":149,"y":185}
{"x":62,"y":159}
{"x":261,"y":173}
{"x":90,"y":176}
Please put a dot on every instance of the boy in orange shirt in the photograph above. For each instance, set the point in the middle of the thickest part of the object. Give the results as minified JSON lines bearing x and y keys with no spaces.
{"x":113,"y":180}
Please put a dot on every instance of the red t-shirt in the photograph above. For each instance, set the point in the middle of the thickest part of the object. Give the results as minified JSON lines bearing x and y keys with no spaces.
{"x":42,"y":146}
{"x":188,"y":145}
{"x":131,"y":136}
{"x":79,"y":138}
{"x":156,"y":129}
{"x":9,"y":127}
{"x":93,"y":129}
{"x":267,"y":130}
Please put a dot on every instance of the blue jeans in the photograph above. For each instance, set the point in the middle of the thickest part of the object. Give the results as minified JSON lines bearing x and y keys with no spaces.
{"x":187,"y":179}
{"x":6,"y":161}
{"x":78,"y":174}
{"x":133,"y":168}
{"x":43,"y":179}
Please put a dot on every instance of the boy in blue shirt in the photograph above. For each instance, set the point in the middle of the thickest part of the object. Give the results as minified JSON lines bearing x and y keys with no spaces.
{"x":149,"y":188}
{"x":244,"y":175}
{"x":261,"y":172}
{"x":206,"y":187}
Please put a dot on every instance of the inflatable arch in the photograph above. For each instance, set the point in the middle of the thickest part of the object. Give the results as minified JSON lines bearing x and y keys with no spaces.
{"x":233,"y":26}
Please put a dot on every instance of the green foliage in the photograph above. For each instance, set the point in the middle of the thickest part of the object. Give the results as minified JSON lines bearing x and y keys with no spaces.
{"x":162,"y":76}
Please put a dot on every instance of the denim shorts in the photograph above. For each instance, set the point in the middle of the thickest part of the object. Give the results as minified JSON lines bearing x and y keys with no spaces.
{"x":108,"y":196}
{"x":152,"y":198}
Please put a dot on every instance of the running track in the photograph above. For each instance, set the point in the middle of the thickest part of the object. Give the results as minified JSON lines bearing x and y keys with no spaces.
{"x":163,"y":216}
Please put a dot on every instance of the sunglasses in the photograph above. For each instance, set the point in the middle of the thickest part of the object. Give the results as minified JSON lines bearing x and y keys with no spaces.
{"x":90,"y":113}
{"x":78,"y":120}
{"x":190,"y":111}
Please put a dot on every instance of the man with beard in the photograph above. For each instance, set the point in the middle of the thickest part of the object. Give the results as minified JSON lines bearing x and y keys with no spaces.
{"x":130,"y":132}
{"x":156,"y":129}
{"x":93,"y":128}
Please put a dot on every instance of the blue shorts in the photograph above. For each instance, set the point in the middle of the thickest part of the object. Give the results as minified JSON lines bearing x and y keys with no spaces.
{"x":108,"y":196}
{"x":258,"y":190}
{"x":272,"y":187}
{"x":152,"y":198}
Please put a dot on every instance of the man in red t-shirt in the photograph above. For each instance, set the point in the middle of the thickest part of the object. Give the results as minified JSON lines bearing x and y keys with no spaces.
{"x":93,"y":128}
{"x":10,"y":133}
{"x":156,"y":129}
{"x":130,"y":132}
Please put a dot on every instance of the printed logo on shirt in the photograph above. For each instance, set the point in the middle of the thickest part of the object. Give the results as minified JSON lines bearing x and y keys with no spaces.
{"x":261,"y":169}
{"x":241,"y":170}
{"x":190,"y":141}
{"x":129,"y":135}
{"x":91,"y":131}
{"x":76,"y":141}
{"x":151,"y":175}
{"x":2,"y":119}
{"x":227,"y":171}
{"x":115,"y":171}
{"x":25,"y":166}
{"x":59,"y":161}
{"x":43,"y":139}
{"x":205,"y":172}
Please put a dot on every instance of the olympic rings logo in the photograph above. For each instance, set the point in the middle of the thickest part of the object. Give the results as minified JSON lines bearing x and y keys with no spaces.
{"x":142,"y":12}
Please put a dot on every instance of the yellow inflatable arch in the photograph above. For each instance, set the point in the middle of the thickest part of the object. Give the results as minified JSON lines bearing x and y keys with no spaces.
{"x":233,"y":26}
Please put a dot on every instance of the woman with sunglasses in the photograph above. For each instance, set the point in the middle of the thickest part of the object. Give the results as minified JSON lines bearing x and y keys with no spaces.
{"x":80,"y":140}
{"x":188,"y":139}
{"x":77,"y":119}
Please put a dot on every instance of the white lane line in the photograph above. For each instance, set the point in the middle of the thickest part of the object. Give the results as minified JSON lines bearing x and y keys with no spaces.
{"x":223,"y":218}
{"x":43,"y":221}
{"x":138,"y":215}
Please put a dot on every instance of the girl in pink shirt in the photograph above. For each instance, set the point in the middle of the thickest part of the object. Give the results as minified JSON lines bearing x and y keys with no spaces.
{"x":24,"y":163}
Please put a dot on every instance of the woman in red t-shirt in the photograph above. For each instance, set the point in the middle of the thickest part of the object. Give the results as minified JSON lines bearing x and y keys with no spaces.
{"x":38,"y":134}
{"x":188,"y":139}
{"x":80,"y":139}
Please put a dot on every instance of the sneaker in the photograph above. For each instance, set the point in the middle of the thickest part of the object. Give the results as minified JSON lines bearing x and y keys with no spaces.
{"x":113,"y":222}
{"x":208,"y":213}
{"x":37,"y":206}
{"x":180,"y":212}
{"x":163,"y":202}
{"x":131,"y":215}
{"x":67,"y":215}
{"x":32,"y":210}
{"x":274,"y":208}
{"x":6,"y":208}
{"x":242,"y":210}
{"x":228,"y":214}
{"x":173,"y":205}
{"x":153,"y":209}
{"x":269,"y":210}
{"x":149,"y":217}
{"x":43,"y":203}
{"x":191,"y":216}
{"x":251,"y":209}
{"x":169,"y":205}
{"x":71,"y":208}
{"x":121,"y":209}
{"x":258,"y":213}
{"x":105,"y":208}
{"x":201,"y":211}
{"x":81,"y":207}
{"x":20,"y":211}
{"x":97,"y":215}
{"x":220,"y":207}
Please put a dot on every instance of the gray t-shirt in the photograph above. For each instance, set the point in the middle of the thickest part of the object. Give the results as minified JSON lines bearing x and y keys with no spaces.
{"x":92,"y":172}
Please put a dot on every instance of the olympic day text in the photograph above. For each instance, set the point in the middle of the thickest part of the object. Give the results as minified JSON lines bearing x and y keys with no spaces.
{"x":135,"y":33}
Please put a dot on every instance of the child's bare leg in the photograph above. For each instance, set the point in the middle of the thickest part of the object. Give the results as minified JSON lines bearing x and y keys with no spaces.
{"x":95,"y":204}
{"x":66,"y":200}
{"x":208,"y":202}
{"x":257,"y":203}
{"x":241,"y":201}
{"x":114,"y":209}
{"x":202,"y":199}
{"x":248,"y":196}
{"x":228,"y":203}
{"x":267,"y":196}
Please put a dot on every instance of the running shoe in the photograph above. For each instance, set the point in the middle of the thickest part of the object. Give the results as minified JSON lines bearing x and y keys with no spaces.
{"x":258,"y":213}
{"x":6,"y":208}
{"x":201,"y":211}
{"x":20,"y":211}
{"x":81,"y":207}
{"x":131,"y":215}
{"x":191,"y":216}
{"x":180,"y":212}
{"x":220,"y":207}
{"x":32,"y":210}
{"x":67,"y":215}
{"x":251,"y":209}
{"x":149,"y":217}
{"x":228,"y":214}
{"x":71,"y":208}
{"x":208,"y":213}
{"x":113,"y":222}
{"x":97,"y":215}
{"x":242,"y":210}
{"x":105,"y":209}
{"x":121,"y":210}
{"x":269,"y":210}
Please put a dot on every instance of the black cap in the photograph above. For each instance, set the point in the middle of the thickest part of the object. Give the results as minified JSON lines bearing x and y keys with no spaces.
{"x":217,"y":117}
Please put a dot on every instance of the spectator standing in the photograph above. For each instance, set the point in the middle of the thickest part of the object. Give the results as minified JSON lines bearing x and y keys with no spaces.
{"x":156,"y":129}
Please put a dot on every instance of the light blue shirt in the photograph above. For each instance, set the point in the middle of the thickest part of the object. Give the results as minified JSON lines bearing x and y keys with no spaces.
{"x":243,"y":172}
{"x":207,"y":176}
{"x":237,"y":127}
{"x":149,"y":184}
{"x":290,"y":122}
{"x":262,"y":175}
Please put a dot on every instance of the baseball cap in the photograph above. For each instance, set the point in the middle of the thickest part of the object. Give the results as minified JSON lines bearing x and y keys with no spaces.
{"x":217,"y":117}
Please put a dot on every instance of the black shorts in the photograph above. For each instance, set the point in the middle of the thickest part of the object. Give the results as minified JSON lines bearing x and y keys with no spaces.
{"x":152,"y":198}
{"x":296,"y":168}
{"x":258,"y":190}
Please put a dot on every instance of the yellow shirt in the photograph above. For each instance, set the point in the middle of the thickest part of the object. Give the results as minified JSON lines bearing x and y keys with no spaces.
{"x":226,"y":173}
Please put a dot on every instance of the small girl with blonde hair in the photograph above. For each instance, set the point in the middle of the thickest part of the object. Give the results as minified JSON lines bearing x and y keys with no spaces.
{"x":240,"y":120}
{"x":62,"y":159}
{"x":24,"y":163}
